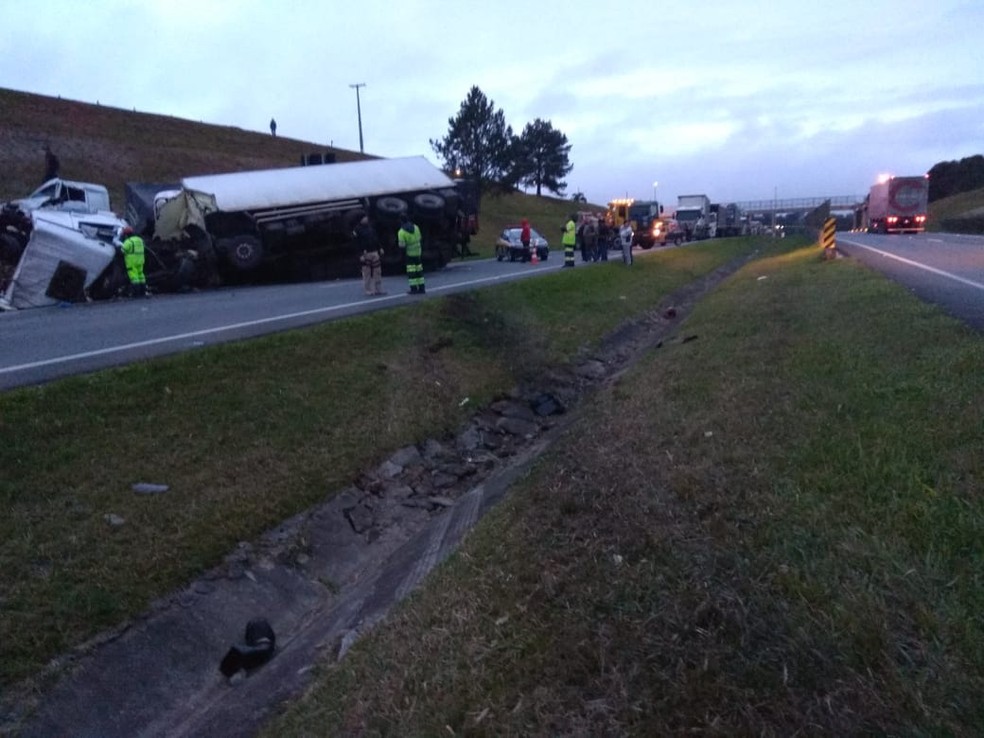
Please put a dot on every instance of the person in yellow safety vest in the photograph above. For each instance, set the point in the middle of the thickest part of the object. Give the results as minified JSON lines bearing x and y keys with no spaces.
{"x":568,"y":240}
{"x":132,"y":247}
{"x":408,"y":238}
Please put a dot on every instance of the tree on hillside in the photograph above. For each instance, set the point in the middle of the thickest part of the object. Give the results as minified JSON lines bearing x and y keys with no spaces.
{"x":542,"y":158}
{"x":479,"y":144}
{"x":953,"y":177}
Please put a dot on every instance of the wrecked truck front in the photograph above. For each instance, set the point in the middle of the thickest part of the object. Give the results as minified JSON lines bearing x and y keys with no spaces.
{"x":65,"y":254}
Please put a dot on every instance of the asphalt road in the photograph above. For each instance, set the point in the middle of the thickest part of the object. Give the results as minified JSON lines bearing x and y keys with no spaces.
{"x":943,"y":268}
{"x":42,"y":344}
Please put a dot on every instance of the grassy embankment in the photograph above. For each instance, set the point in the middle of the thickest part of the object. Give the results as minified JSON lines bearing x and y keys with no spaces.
{"x":961,"y":213}
{"x":248,"y":434}
{"x":775,"y":529}
{"x":111,"y":146}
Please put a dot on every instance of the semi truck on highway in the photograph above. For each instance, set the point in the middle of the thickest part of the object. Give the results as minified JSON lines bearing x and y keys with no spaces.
{"x":729,"y":220}
{"x":897,"y":205}
{"x":693,"y":214}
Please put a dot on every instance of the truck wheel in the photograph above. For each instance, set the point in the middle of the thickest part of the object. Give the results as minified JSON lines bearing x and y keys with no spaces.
{"x":392,"y":207}
{"x":428,"y":205}
{"x":243,"y":252}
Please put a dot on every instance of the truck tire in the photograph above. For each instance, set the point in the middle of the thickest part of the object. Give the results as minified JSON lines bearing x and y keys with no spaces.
{"x":427,"y":205}
{"x":243,"y":252}
{"x":392,"y":207}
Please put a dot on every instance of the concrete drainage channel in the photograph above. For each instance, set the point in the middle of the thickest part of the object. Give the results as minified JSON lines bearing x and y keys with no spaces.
{"x":325,"y":577}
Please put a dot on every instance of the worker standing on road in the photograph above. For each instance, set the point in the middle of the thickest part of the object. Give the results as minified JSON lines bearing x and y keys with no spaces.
{"x":568,"y":240}
{"x":409,"y":239}
{"x":589,"y":239}
{"x":625,"y":236}
{"x":371,"y":257}
{"x":525,"y":236}
{"x":132,"y":247}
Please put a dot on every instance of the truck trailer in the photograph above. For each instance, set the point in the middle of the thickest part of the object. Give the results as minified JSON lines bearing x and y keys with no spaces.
{"x":297,"y":223}
{"x":898,"y":205}
{"x":729,"y":220}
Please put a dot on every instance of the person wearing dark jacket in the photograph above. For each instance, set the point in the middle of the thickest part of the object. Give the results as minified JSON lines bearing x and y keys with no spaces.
{"x":51,"y":164}
{"x":371,"y":257}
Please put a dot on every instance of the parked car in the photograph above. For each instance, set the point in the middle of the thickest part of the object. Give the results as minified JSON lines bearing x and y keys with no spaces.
{"x":509,"y":245}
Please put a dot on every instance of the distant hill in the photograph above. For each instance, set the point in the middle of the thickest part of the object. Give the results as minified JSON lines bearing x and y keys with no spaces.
{"x":112,"y":146}
{"x":961,"y":213}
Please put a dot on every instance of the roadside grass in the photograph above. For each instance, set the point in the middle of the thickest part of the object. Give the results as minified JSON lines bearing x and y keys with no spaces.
{"x":249,"y":434}
{"x":775,"y":529}
{"x":956,"y":206}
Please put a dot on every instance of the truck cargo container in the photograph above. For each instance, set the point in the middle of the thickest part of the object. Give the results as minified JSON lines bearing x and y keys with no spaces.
{"x":297,"y":222}
{"x":898,"y":205}
{"x":694,"y":216}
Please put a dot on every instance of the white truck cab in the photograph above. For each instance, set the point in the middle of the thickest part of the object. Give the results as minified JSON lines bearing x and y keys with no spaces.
{"x":62,"y":194}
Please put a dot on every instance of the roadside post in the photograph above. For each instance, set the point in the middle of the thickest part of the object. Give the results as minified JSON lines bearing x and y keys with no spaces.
{"x":828,"y":238}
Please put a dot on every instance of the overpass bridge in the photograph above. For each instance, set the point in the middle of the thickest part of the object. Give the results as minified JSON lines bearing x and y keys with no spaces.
{"x":801,"y":204}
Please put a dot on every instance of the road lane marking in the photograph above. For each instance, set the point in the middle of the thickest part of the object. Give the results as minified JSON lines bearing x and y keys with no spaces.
{"x":910,"y":262}
{"x":231,"y":327}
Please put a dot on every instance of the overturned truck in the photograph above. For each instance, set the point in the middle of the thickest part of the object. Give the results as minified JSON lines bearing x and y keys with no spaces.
{"x":296,"y":224}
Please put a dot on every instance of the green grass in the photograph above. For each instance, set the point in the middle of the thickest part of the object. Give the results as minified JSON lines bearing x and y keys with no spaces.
{"x":112,"y":146}
{"x":775,"y":529}
{"x":956,"y":206}
{"x":248,"y":434}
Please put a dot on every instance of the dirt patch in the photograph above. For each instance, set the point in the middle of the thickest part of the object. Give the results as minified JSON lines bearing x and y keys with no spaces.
{"x":327,"y":576}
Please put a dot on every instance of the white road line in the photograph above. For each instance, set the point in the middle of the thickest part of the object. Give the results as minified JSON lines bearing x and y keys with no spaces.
{"x":910,"y":262}
{"x":230,"y":327}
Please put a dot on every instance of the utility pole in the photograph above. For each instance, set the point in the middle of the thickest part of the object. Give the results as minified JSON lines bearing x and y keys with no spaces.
{"x":358,"y":107}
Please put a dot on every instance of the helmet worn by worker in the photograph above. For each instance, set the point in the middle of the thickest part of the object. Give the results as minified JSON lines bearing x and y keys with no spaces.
{"x":126,"y":232}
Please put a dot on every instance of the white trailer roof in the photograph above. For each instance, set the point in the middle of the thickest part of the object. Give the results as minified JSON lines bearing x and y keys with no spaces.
{"x":270,"y":188}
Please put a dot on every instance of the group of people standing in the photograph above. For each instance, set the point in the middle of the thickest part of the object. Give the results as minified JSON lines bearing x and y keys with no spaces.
{"x":410,"y":241}
{"x":595,"y":236}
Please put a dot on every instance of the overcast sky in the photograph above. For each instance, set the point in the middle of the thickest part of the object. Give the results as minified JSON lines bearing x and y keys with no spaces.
{"x":738,"y":100}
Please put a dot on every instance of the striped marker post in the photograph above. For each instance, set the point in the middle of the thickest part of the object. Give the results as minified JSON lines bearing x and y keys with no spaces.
{"x":827,"y":238}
